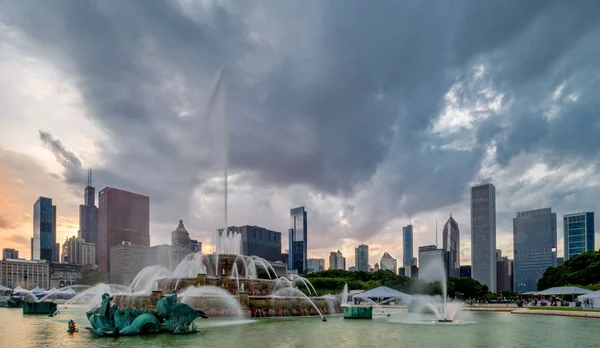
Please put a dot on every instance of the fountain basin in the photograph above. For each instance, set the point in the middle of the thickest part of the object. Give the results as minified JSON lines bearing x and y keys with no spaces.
{"x":358,"y":312}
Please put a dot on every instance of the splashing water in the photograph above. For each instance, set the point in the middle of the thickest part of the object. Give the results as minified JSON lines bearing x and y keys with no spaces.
{"x":443,"y":309}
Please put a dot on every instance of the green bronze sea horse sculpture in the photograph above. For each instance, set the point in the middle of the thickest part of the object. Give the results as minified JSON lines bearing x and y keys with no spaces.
{"x":173,"y":317}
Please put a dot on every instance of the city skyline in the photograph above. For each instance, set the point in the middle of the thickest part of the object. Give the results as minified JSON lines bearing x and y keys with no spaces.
{"x":362,"y":140}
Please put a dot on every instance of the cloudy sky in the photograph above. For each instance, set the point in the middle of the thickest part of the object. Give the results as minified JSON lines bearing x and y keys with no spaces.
{"x":363,"y":112}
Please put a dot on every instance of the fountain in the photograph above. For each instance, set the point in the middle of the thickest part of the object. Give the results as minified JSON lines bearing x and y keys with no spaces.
{"x":229,"y":287}
{"x":222,"y":284}
{"x":442,"y":308}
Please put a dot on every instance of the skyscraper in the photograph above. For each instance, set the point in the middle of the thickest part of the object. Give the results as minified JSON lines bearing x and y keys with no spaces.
{"x":340,"y":261}
{"x":361,"y":258}
{"x":298,"y":240}
{"x":315,"y":265}
{"x":483,"y":234}
{"x":180,"y":245}
{"x":88,"y":215}
{"x":122,"y":217}
{"x":430,"y":259}
{"x":504,"y":268}
{"x":407,"y":239}
{"x":579,"y":233}
{"x":43,"y":229}
{"x":388,"y":262}
{"x":337,"y":260}
{"x":534,"y":234}
{"x":451,"y":245}
{"x":9,"y":254}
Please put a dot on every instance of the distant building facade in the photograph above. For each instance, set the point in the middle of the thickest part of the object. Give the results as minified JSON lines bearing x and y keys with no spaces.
{"x":10,"y":254}
{"x":24,"y":273}
{"x":44,"y":231}
{"x":407,"y":239}
{"x":430,"y":259}
{"x":465,"y":271}
{"x":579,"y":233}
{"x":388,"y":263}
{"x":195,"y":246}
{"x":162,"y":255}
{"x":126,"y":261}
{"x":451,"y":246}
{"x":483,"y":235}
{"x":504,"y":269}
{"x":361,"y":258}
{"x":534,"y":240}
{"x":298,"y":238}
{"x":315,"y":265}
{"x":180,"y":245}
{"x":122,"y":217}
{"x":64,"y":274}
{"x":337,"y":260}
{"x":560,"y":261}
{"x":88,"y":216}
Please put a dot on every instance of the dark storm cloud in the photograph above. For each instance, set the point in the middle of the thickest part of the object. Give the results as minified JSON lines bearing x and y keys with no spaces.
{"x":327,"y":94}
{"x":73,"y":171}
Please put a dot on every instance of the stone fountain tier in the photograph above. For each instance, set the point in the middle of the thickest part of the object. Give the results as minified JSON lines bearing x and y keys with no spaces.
{"x":252,"y":306}
{"x":254,"y":287}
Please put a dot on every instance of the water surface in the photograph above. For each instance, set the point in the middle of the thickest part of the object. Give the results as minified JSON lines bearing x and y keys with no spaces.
{"x":482,"y":330}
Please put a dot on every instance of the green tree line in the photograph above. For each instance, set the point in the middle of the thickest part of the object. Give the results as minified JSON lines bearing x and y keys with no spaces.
{"x":580,"y":270}
{"x":333,"y":281}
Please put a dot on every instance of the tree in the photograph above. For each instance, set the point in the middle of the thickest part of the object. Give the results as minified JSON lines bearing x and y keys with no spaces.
{"x":582,"y":269}
{"x":91,"y":278}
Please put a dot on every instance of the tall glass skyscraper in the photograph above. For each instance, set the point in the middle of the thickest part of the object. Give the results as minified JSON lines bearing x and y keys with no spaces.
{"x":483,"y":235}
{"x":298,"y":239}
{"x":579,"y":233}
{"x":43,"y":230}
{"x":407,"y":240}
{"x":534,"y":234}
{"x":361,"y":258}
{"x":451,"y":247}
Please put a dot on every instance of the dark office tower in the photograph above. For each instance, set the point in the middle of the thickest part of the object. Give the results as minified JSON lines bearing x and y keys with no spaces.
{"x":88,"y":215}
{"x":298,"y":239}
{"x":451,"y":242}
{"x":55,"y":246}
{"x":43,"y":229}
{"x":122,"y":217}
{"x":483,"y":235}
{"x":534,"y":242}
{"x":407,"y":240}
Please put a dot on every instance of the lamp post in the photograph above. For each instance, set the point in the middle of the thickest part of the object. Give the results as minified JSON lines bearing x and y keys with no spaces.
{"x":521,"y":285}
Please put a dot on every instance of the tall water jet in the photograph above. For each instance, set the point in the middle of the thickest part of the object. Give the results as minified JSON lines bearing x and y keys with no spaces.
{"x":345,"y":294}
{"x":435,"y":271}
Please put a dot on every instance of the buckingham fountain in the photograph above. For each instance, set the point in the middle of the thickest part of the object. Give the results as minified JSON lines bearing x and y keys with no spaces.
{"x":214,"y":285}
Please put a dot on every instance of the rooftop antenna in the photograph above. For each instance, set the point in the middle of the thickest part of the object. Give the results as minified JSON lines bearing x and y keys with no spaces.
{"x":90,"y":181}
{"x":409,"y":219}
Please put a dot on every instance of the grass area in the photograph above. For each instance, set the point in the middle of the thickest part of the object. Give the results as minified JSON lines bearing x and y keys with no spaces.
{"x":569,"y":309}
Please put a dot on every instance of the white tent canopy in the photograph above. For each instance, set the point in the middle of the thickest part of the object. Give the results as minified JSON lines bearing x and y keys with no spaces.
{"x":4,"y":288}
{"x":382,"y":291}
{"x":18,"y":288}
{"x":564,"y":290}
{"x":595,"y":294}
{"x":71,"y":291}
